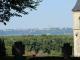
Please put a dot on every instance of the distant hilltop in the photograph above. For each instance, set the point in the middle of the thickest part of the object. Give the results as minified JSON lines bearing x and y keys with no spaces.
{"x":46,"y":31}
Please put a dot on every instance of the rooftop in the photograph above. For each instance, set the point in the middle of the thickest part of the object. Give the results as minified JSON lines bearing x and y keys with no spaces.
{"x":77,"y":6}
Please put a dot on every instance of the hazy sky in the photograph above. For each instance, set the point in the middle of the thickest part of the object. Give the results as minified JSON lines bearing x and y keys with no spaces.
{"x":50,"y":13}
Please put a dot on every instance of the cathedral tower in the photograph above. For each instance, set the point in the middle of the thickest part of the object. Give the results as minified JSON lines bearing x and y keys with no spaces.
{"x":76,"y":28}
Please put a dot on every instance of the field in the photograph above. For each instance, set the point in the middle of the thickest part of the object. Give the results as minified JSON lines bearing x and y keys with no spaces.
{"x":41,"y":45}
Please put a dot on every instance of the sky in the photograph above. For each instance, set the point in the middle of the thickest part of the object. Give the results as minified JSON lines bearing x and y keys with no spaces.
{"x":49,"y":14}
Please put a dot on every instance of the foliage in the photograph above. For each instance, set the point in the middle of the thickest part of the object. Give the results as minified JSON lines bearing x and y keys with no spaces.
{"x":10,"y":8}
{"x":51,"y":44}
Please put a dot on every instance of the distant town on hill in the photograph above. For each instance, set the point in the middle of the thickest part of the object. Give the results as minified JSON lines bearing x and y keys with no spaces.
{"x":45,"y":31}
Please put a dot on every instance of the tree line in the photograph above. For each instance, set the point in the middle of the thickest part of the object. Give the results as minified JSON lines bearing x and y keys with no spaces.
{"x":50,"y":44}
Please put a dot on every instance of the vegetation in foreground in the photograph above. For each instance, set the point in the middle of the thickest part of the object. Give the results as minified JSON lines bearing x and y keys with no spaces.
{"x":41,"y":45}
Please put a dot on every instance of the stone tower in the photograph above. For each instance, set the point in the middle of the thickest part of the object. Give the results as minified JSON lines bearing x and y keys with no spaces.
{"x":76,"y":28}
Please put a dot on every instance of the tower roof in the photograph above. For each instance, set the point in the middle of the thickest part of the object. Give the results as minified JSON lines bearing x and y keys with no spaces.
{"x":77,"y":6}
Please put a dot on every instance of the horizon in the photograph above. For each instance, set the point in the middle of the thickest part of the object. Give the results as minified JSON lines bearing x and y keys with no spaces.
{"x":40,"y":28}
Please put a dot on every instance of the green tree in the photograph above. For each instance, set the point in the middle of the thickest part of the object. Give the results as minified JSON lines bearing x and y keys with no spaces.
{"x":6,"y":7}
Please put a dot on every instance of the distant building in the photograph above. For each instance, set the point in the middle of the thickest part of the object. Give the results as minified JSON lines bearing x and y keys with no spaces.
{"x":76,"y":28}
